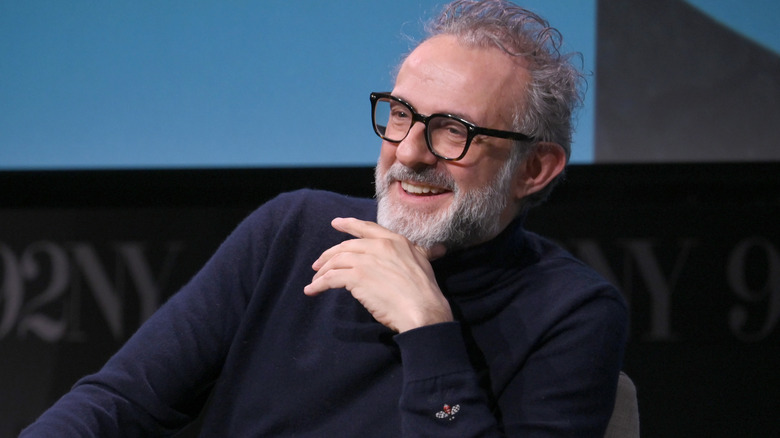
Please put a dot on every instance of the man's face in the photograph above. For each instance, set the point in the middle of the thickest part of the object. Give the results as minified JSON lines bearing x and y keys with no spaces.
{"x":457,"y":203}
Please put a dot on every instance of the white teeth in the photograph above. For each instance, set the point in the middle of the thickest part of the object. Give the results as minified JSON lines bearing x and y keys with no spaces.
{"x":420,"y":190}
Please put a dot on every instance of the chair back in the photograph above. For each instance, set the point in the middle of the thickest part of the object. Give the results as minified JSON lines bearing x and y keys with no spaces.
{"x":624,"y":422}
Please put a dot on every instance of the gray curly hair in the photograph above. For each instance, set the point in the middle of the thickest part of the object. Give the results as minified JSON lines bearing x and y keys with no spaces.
{"x":555,"y":91}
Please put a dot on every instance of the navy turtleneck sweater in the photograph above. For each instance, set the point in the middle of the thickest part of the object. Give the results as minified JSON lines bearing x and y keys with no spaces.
{"x":535,"y":351}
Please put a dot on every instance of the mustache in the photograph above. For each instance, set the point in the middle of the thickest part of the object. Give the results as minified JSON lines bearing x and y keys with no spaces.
{"x":427,"y":176}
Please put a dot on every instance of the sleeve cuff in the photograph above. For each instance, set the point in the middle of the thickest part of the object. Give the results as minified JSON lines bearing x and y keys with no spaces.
{"x":433,"y":351}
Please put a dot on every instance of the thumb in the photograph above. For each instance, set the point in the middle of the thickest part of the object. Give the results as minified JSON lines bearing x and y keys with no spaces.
{"x":435,"y":252}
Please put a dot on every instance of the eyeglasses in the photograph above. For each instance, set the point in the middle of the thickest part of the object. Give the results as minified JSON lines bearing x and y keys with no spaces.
{"x":448,"y":137}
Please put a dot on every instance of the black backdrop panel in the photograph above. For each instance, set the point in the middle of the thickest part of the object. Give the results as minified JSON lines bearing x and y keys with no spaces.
{"x":86,"y":256}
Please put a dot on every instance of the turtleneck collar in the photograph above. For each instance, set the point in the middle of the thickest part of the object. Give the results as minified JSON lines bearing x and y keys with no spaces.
{"x":473,"y":270}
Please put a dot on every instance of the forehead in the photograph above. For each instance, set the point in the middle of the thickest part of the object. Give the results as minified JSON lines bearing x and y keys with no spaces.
{"x":483,"y":84}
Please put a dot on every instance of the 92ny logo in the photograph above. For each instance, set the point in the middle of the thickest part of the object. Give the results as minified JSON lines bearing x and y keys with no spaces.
{"x":44,"y":286}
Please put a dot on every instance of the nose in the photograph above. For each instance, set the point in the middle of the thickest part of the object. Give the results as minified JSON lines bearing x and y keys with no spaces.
{"x":413,"y":151}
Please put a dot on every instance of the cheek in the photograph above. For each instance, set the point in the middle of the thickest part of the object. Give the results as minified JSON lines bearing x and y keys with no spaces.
{"x":483,"y":167}
{"x":477,"y":176}
{"x":386,"y":155}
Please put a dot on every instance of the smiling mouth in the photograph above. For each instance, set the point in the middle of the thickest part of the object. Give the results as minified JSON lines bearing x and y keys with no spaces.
{"x":421,"y":189}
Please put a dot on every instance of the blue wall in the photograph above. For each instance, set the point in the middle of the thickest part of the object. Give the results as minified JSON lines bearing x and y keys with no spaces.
{"x":138,"y":84}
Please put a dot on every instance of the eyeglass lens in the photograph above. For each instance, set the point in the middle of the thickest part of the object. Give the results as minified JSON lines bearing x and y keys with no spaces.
{"x":446,"y":136}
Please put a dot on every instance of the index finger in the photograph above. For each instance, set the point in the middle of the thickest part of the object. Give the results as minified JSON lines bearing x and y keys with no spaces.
{"x":360,"y":228}
{"x":367,"y":229}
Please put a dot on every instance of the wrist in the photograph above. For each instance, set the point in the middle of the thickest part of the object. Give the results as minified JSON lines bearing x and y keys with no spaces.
{"x":429,"y":316}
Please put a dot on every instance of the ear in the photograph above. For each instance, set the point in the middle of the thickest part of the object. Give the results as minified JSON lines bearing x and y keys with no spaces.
{"x":544,"y":163}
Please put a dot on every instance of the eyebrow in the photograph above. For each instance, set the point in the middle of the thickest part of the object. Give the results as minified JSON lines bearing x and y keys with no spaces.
{"x":456,"y":114}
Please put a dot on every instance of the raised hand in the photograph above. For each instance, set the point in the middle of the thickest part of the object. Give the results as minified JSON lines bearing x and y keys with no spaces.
{"x":390,"y":276}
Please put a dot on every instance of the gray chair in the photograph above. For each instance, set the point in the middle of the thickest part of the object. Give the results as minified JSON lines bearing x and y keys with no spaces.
{"x":624,"y":422}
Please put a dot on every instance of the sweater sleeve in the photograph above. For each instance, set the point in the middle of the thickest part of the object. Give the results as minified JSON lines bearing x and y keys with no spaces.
{"x":564,"y":387}
{"x":441,"y":395}
{"x":160,"y":378}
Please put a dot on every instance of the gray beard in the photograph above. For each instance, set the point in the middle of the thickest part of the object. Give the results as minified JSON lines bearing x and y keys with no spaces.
{"x":473,"y":216}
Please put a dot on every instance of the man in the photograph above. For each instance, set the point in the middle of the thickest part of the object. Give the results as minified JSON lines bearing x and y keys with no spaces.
{"x":442,"y":318}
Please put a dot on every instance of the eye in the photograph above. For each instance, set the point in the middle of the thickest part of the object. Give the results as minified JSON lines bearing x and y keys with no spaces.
{"x":453,"y":128}
{"x":398,"y":111}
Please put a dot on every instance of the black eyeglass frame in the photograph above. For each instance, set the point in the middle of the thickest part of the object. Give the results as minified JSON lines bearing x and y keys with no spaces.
{"x":473,"y":130}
